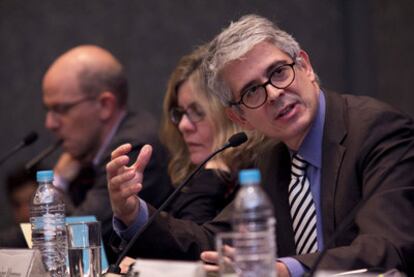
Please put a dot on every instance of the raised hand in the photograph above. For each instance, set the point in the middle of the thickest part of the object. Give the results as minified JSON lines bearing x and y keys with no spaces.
{"x":125,"y":182}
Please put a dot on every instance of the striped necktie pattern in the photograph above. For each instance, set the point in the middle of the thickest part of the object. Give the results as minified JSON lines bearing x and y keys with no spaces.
{"x":302,"y":208}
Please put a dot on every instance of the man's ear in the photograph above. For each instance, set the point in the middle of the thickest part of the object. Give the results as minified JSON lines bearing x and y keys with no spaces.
{"x":237,"y":117}
{"x":108,"y":103}
{"x":306,"y":65}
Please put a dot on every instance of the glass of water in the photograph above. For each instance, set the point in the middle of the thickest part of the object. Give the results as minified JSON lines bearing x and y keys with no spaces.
{"x":225,"y":251}
{"x":242,"y":254}
{"x":84,"y":249}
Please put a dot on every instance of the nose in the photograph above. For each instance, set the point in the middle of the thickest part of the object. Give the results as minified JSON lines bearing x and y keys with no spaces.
{"x":185,"y":124}
{"x":273,"y":93}
{"x":51,"y":121}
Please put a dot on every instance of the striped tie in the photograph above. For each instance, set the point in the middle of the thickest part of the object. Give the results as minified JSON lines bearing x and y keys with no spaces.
{"x":302,"y":208}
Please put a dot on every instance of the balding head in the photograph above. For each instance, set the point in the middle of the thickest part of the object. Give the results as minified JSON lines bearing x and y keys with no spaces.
{"x":93,"y":69}
{"x":84,"y":92}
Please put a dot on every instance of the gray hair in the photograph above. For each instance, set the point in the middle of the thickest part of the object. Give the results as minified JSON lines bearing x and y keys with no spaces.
{"x":235,"y":41}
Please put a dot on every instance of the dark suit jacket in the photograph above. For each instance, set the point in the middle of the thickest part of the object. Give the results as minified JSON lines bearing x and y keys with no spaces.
{"x":364,"y":148}
{"x":137,"y":129}
{"x":363,"y":139}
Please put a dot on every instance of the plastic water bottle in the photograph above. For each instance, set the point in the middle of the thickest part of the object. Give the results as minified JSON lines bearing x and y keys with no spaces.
{"x":253,"y":220}
{"x":47,"y":218}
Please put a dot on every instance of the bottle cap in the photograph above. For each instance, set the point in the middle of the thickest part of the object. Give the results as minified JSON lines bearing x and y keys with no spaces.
{"x":248,"y":176}
{"x":44,"y":175}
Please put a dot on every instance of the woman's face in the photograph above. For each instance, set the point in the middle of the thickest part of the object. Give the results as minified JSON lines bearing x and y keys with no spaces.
{"x":196,"y":130}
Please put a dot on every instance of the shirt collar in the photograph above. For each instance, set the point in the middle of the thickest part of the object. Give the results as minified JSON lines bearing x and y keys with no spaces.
{"x":108,"y":138}
{"x":311,"y":148}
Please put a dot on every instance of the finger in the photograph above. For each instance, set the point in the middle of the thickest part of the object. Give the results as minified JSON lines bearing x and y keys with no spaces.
{"x":125,"y":264}
{"x":229,"y":251}
{"x":118,"y":180}
{"x":132,"y":186}
{"x":121,"y":150}
{"x":211,"y":268}
{"x":143,"y":158}
{"x":114,"y":167}
{"x":122,"y":195}
{"x":209,"y":256}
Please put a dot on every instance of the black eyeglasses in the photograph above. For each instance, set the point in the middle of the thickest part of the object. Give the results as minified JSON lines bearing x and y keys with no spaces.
{"x":64,"y":108}
{"x":255,"y":96}
{"x":194,"y":113}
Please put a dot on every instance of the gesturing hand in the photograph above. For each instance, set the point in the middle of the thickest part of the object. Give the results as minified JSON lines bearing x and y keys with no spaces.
{"x":124,"y":182}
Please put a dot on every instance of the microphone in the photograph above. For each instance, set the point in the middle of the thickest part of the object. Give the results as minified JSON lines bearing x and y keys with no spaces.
{"x":345,"y":224}
{"x":27,"y":140}
{"x":234,"y":141}
{"x":39,"y":157}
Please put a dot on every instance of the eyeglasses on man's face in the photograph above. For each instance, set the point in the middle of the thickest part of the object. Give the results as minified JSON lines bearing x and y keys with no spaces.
{"x":194,"y":113}
{"x":255,"y":96}
{"x":64,"y":108}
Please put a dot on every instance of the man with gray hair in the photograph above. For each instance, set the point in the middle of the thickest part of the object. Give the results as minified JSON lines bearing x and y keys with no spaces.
{"x":340,"y":147}
{"x":334,"y":152}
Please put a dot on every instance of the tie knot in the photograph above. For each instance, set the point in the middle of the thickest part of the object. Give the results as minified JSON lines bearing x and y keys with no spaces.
{"x":298,"y":165}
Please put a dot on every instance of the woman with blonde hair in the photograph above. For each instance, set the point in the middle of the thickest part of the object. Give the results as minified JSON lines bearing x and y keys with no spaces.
{"x":194,"y":124}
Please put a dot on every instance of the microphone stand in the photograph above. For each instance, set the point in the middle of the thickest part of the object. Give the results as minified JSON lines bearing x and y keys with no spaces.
{"x":29,"y":139}
{"x":39,"y":157}
{"x":114,"y":268}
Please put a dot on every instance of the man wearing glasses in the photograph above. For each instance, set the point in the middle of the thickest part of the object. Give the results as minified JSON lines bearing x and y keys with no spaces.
{"x":334,"y":152}
{"x":85,"y":95}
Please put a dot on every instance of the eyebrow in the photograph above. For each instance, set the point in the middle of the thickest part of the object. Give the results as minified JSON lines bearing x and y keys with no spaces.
{"x":47,"y":107}
{"x":269,"y":70}
{"x":192,"y":105}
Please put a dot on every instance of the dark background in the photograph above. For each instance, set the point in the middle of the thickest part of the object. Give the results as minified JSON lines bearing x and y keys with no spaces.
{"x":363,"y":47}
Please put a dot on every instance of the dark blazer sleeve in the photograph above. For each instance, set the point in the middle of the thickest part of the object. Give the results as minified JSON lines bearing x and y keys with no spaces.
{"x":171,"y":238}
{"x":189,"y":226}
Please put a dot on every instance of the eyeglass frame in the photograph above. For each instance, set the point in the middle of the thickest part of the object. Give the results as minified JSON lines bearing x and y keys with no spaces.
{"x":64,"y":108}
{"x":264,"y":85}
{"x":201,"y":115}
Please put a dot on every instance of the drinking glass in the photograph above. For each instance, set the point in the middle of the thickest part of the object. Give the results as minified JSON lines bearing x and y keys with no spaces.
{"x":244,"y":254}
{"x":84,"y":249}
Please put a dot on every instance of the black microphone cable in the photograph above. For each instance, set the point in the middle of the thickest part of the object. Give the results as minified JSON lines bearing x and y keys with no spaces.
{"x":234,"y":141}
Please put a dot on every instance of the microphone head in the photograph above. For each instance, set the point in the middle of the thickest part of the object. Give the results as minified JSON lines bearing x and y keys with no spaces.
{"x":30,"y":138}
{"x":237,"y":139}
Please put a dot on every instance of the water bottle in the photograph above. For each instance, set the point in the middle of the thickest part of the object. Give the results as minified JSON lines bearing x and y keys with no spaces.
{"x":47,"y":218}
{"x":253,"y":220}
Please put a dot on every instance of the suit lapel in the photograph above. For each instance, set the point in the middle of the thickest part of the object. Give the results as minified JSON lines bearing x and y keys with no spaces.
{"x":332,"y":156}
{"x":275,"y":167}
